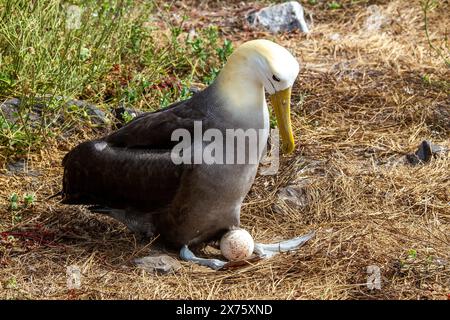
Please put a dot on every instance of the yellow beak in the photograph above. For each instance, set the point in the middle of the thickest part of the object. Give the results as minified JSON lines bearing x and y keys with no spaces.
{"x":281,"y":103}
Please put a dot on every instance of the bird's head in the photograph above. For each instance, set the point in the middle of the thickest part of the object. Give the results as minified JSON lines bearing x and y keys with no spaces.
{"x":266,"y":64}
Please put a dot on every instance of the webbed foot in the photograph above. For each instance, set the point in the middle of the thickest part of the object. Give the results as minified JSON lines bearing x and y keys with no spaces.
{"x":269,"y":250}
{"x":188,"y":255}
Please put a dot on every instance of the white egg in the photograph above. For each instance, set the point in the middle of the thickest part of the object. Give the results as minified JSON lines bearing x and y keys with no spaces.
{"x":237,"y":244}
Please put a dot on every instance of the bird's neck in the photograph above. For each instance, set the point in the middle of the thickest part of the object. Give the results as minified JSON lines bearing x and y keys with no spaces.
{"x":243,"y":94}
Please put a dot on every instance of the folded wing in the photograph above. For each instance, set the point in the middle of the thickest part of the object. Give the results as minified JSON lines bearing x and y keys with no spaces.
{"x":130,"y":168}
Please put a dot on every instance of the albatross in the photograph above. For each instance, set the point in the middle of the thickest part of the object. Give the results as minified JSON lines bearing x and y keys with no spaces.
{"x":131,"y":174}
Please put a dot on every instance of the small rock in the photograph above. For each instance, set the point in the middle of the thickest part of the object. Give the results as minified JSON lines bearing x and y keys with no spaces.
{"x":376,"y":19}
{"x":425,"y":152}
{"x":192,"y":34}
{"x":8,"y":108}
{"x":162,"y":264}
{"x":440,"y":261}
{"x":19,"y":167}
{"x":408,"y":90}
{"x":194,"y":89}
{"x":16,"y":167}
{"x":292,"y":196}
{"x":281,"y":17}
{"x":35,"y":109}
{"x":334,"y":36}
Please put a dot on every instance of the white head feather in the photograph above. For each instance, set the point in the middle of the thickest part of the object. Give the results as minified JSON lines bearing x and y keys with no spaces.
{"x":254,"y":66}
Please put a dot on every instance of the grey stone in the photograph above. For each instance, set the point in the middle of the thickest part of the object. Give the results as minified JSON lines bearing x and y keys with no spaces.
{"x":281,"y":17}
{"x":9,"y":105}
{"x":162,"y":264}
{"x":425,"y":152}
{"x":293,"y":196}
{"x":19,"y":167}
{"x":194,"y":89}
{"x":8,"y":109}
{"x":375,"y":19}
{"x":34,"y":112}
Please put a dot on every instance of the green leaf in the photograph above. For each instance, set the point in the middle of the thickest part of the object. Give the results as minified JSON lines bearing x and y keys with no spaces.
{"x":11,"y":283}
{"x":127,"y":117}
{"x":334,"y":5}
{"x":14,"y":197}
{"x":28,"y":199}
{"x":412,"y":253}
{"x":85,"y":54}
{"x":14,"y":206}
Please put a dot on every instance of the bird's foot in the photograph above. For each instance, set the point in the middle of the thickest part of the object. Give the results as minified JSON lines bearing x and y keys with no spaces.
{"x":188,"y":255}
{"x":269,"y":250}
{"x":262,"y":250}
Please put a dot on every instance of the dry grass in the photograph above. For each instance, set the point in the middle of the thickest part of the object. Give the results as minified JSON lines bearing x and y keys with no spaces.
{"x":362,"y":105}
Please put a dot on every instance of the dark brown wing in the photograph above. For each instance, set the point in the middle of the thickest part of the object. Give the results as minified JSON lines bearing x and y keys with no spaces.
{"x":153,"y":130}
{"x":131,"y":168}
{"x":120,"y":178}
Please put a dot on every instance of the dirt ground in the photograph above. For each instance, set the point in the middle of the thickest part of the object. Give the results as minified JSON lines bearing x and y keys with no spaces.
{"x":363,"y":100}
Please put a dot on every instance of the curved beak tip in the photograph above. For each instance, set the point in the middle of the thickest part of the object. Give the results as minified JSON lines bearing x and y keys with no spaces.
{"x":288,"y":147}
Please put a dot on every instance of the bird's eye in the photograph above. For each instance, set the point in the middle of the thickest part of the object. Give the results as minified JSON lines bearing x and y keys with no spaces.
{"x":274,"y":77}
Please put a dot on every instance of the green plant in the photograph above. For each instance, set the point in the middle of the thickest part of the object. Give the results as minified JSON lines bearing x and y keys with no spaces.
{"x":444,"y":51}
{"x":334,"y":5}
{"x":127,"y":117}
{"x":273,"y":119}
{"x":185,"y":92}
{"x":85,"y":54}
{"x":130,"y":94}
{"x":113,"y":55}
{"x":412,"y":254}
{"x":29,"y":199}
{"x":426,"y":78}
{"x":14,"y":205}
{"x":11,"y":283}
{"x":209,"y":78}
{"x":15,"y":137}
{"x":13,"y":201}
{"x":165,"y":100}
{"x":42,"y":56}
{"x":225,"y":51}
